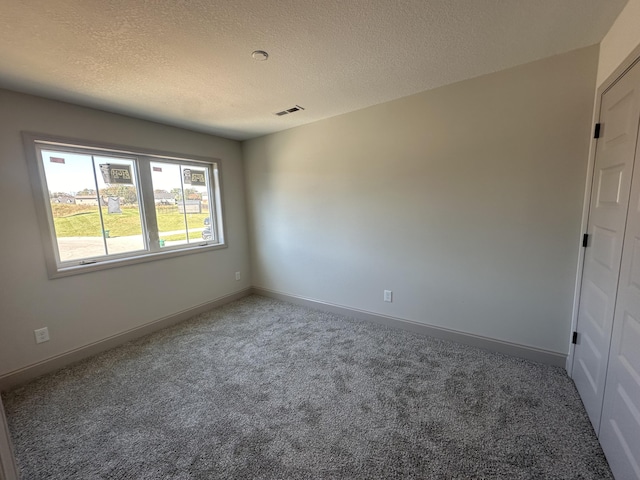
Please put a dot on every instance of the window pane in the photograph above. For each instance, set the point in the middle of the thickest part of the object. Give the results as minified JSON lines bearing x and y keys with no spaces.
{"x":120,"y":206}
{"x":196,"y":203}
{"x":182,"y":204}
{"x":92,"y":218}
{"x":74,"y":205}
{"x":167,"y":191}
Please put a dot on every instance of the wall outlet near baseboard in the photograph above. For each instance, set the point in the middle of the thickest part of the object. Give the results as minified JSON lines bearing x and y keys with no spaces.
{"x":237,"y":275}
{"x":388,"y":296}
{"x":42,"y":335}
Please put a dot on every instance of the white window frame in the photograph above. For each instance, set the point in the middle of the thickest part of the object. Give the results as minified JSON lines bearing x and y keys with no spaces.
{"x":56,"y":268}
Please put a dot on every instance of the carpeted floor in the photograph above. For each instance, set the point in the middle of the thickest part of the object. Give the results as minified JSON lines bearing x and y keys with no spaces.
{"x":269,"y":390}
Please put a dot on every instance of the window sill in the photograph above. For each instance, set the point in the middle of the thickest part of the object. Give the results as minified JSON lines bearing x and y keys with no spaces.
{"x":104,"y":264}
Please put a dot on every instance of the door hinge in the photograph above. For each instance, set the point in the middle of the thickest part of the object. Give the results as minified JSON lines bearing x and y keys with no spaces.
{"x":574,"y":338}
{"x":585,"y":240}
{"x":596,"y":131}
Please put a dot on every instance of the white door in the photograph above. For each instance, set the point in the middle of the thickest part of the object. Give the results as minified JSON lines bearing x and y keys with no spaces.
{"x":615,"y":152}
{"x":620,"y":424}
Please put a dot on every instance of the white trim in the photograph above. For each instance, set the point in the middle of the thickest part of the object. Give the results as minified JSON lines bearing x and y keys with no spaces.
{"x":8,"y":467}
{"x":628,"y":62}
{"x":586,"y":200}
{"x":51,"y":364}
{"x":486,"y":343}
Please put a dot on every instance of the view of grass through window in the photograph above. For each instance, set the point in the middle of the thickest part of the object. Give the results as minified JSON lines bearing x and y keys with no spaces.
{"x":78,"y":221}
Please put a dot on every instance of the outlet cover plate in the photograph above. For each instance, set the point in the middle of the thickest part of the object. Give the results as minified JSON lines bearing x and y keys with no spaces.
{"x":42,"y":335}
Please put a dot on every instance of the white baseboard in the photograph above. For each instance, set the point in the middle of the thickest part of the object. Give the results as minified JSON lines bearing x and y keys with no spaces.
{"x":35,"y":370}
{"x":486,"y":343}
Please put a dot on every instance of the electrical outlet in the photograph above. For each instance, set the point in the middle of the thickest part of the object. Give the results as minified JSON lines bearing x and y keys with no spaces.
{"x":388,"y":296}
{"x":237,"y":275}
{"x":42,"y":335}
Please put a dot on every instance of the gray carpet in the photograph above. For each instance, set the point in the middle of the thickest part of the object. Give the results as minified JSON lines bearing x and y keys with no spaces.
{"x":265,"y":389}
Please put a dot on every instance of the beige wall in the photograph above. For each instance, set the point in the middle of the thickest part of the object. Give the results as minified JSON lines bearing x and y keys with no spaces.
{"x":87,"y":308}
{"x":622,"y":38}
{"x":464,"y":200}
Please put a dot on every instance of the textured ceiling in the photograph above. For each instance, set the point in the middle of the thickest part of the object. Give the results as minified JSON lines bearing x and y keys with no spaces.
{"x":188,"y":62}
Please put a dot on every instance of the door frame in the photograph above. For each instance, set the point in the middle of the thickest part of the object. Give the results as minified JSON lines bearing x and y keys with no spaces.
{"x":8,"y":467}
{"x":624,"y":67}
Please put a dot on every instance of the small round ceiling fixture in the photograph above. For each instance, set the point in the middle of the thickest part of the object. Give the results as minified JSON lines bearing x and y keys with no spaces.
{"x":260,"y":55}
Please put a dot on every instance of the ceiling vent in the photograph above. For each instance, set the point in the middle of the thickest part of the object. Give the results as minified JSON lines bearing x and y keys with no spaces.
{"x":289,"y":110}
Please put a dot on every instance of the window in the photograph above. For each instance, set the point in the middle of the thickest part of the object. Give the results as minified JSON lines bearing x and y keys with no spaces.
{"x":101,"y":207}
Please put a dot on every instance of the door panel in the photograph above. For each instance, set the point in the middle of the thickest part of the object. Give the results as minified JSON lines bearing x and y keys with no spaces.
{"x":609,"y":185}
{"x":615,"y":152}
{"x":595,"y":306}
{"x":604,"y":245}
{"x":620,"y":425}
{"x":634,"y":277}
